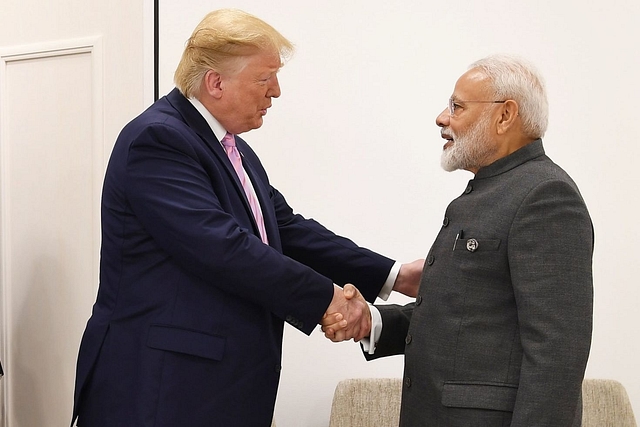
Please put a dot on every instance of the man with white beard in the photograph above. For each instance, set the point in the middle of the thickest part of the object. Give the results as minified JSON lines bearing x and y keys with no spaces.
{"x":500,"y":332}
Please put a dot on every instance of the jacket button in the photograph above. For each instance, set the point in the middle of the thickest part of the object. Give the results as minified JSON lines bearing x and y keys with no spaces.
{"x":445,"y":222}
{"x":278,"y":368}
{"x":469,"y":189}
{"x":407,"y":382}
{"x":431,"y":259}
{"x":407,"y":340}
{"x":419,"y":300}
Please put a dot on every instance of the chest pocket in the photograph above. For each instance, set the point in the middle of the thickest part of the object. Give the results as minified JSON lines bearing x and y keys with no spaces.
{"x":473,"y":244}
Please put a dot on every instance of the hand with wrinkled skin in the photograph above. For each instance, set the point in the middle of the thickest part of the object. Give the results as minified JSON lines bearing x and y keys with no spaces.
{"x":348,"y":316}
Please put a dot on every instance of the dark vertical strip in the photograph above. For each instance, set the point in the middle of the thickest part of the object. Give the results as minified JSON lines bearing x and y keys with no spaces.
{"x":156,"y":49}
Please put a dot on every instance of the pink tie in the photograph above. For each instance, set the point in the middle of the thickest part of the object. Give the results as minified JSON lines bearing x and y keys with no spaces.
{"x":229,"y":144}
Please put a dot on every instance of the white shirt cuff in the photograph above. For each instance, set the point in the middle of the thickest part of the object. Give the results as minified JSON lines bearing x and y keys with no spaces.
{"x":391,"y":280}
{"x":376,"y":330}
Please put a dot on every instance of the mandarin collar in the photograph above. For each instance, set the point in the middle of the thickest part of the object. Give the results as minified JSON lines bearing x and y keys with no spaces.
{"x":528,"y":152}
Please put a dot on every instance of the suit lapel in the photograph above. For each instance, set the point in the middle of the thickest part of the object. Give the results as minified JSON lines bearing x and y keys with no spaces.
{"x":198,"y":124}
{"x":195,"y":121}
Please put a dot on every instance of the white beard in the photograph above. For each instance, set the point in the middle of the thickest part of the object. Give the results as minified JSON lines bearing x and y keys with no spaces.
{"x":471,"y":150}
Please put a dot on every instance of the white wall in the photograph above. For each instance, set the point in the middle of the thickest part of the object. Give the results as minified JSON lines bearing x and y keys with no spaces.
{"x":352,"y":142}
{"x":71,"y":75}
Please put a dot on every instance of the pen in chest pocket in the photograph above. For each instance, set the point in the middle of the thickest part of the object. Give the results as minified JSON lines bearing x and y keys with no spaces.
{"x":458,"y":236}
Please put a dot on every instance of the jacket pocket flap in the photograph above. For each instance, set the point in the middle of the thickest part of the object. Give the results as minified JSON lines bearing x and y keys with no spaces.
{"x":196,"y":343}
{"x":498,"y":397}
{"x":476,"y":245}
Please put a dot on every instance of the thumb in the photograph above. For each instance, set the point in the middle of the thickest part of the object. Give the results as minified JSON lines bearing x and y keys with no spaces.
{"x":350,"y":291}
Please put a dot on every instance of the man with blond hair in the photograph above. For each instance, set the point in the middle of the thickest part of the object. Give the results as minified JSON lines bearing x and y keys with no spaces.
{"x":500,"y":331}
{"x":202,"y":259}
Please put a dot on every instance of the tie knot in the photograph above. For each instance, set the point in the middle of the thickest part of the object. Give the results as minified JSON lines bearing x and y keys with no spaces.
{"x":228,"y":140}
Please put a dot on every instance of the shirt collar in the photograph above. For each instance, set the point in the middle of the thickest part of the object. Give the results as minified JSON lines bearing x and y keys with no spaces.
{"x":214,"y":124}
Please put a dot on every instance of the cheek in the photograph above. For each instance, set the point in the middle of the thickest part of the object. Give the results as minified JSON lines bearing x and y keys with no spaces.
{"x":252,"y":98}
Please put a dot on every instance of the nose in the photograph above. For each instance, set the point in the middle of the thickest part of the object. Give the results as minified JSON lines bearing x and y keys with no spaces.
{"x":443,"y":118}
{"x":274,"y":90}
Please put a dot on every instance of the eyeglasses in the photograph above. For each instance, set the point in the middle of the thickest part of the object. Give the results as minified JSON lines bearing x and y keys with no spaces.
{"x":453,"y":105}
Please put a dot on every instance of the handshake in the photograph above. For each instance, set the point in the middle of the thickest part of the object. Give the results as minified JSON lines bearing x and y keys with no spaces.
{"x":348,"y":316}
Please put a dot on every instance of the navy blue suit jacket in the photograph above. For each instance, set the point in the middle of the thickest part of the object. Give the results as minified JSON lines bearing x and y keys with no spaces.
{"x":187,"y":325}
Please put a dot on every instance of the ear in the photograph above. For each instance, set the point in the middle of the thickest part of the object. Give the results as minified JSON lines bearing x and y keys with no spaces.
{"x":212,"y":84}
{"x":508,"y":117}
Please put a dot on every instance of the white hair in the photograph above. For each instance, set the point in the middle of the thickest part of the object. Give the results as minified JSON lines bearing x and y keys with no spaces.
{"x":515,"y":78}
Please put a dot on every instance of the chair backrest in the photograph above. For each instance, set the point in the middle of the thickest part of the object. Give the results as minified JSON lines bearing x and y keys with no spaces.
{"x":375,"y":402}
{"x":606,"y":403}
{"x":366,"y":402}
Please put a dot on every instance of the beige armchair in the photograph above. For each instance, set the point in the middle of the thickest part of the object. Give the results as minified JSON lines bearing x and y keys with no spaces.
{"x":366,"y":402}
{"x":606,"y":403}
{"x":375,"y":402}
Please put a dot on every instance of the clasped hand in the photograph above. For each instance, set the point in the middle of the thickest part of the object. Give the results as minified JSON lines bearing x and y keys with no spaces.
{"x":348,"y":316}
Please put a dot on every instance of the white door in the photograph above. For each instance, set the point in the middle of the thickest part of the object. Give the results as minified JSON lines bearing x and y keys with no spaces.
{"x":71,"y":75}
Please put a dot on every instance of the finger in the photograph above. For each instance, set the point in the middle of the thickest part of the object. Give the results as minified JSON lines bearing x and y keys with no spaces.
{"x":339,"y":336}
{"x":349,"y":291}
{"x":329,"y":333}
{"x":335,"y":326}
{"x":330,"y":319}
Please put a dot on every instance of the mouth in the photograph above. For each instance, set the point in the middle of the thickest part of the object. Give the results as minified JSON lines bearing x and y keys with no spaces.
{"x":263,"y":112}
{"x":449,"y":140}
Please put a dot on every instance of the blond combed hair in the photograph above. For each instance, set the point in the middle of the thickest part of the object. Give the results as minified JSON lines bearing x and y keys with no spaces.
{"x":221,"y":41}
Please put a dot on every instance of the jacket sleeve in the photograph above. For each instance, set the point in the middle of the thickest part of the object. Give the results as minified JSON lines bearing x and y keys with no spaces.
{"x":395,"y":325}
{"x":333,"y":256}
{"x":550,"y":256}
{"x":312,"y":244}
